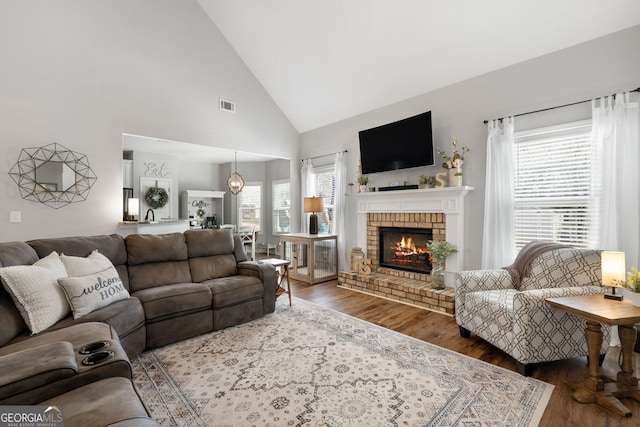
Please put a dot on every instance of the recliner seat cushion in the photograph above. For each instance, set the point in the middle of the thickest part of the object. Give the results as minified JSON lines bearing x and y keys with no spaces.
{"x":169,"y":301}
{"x":124,"y":316}
{"x":233,"y":290}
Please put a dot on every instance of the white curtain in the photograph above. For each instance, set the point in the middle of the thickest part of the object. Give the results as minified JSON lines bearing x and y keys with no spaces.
{"x":615,"y":130}
{"x":498,"y":242}
{"x":339,"y":207}
{"x":307,"y":187}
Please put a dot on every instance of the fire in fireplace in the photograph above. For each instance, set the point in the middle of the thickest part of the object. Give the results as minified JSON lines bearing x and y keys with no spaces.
{"x":405,"y":248}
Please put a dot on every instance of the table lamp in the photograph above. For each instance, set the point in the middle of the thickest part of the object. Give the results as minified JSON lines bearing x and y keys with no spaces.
{"x":313,"y":205}
{"x":132,"y":208}
{"x":613,"y":271}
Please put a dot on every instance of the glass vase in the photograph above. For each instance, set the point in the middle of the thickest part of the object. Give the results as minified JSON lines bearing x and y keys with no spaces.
{"x":437,"y":275}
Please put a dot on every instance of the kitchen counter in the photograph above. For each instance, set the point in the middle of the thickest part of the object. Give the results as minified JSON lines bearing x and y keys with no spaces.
{"x":163,"y":226}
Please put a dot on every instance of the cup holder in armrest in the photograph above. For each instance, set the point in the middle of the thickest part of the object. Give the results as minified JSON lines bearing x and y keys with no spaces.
{"x":98,"y":357}
{"x":94,"y":347}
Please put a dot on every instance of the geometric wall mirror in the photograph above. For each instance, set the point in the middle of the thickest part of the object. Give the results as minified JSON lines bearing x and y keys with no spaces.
{"x":53,"y":175}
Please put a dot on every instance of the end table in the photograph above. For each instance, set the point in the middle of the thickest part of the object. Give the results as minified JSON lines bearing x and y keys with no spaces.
{"x":280,"y":275}
{"x":598,"y":311}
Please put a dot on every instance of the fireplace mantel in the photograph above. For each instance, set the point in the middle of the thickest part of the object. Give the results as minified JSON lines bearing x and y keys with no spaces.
{"x":447,"y":200}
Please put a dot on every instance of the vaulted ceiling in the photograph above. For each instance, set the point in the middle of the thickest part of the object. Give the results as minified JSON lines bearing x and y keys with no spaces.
{"x":324,"y":61}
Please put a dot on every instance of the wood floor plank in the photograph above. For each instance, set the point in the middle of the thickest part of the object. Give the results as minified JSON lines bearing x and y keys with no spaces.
{"x":442,"y":330}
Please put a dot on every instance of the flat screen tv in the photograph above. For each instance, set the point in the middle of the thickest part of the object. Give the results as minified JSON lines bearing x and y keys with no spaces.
{"x":407,"y":143}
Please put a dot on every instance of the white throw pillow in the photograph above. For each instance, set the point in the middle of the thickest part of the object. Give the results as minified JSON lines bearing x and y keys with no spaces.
{"x":81,"y":266}
{"x":36,"y":293}
{"x":93,"y":291}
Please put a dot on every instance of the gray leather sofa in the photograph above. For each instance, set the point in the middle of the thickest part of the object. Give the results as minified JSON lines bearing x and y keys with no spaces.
{"x":180,"y":285}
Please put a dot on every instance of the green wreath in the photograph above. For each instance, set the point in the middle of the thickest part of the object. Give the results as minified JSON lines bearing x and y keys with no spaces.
{"x":156,"y":197}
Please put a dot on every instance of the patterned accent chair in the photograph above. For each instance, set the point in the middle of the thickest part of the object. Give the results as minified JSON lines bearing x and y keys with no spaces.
{"x":518,"y":320}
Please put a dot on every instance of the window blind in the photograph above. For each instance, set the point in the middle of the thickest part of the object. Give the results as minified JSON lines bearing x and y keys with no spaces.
{"x":249,"y":206}
{"x":554,"y":187}
{"x":281,"y":203}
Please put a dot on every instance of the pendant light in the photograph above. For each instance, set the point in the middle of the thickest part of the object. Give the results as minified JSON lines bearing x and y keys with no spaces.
{"x":235,"y":183}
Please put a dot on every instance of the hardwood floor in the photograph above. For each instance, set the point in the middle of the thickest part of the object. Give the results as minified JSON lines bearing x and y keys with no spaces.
{"x":442,"y":330}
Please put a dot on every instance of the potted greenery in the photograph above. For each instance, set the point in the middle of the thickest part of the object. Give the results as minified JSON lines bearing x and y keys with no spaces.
{"x":632,"y":285}
{"x":363,"y":180}
{"x":427,"y":181}
{"x":439,"y":251}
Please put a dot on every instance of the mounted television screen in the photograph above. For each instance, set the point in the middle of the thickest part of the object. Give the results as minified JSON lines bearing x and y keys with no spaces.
{"x":407,"y":143}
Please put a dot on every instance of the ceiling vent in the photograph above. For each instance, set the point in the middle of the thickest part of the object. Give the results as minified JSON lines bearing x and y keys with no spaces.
{"x":229,"y":106}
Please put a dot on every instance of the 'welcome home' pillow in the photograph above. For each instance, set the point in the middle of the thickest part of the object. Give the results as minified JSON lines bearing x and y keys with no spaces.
{"x":93,"y":291}
{"x":36,"y":293}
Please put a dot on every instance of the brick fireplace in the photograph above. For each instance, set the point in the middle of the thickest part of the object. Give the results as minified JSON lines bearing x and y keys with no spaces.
{"x":434,"y":222}
{"x":439,"y":210}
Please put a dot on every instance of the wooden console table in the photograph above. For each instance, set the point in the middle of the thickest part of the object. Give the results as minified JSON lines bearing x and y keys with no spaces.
{"x":314,"y":257}
{"x":597,"y":311}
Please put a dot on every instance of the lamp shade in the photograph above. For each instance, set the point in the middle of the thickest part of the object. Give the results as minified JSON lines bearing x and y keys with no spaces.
{"x":313,"y":204}
{"x":613,"y":267}
{"x":133,"y":206}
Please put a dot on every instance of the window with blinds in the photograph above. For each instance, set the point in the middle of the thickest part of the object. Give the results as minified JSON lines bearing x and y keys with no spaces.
{"x":281,"y":202}
{"x":555,"y":198}
{"x":325,"y":187}
{"x":249,"y":206}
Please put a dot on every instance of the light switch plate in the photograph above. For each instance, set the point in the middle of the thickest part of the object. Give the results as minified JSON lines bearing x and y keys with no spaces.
{"x":15,"y":216}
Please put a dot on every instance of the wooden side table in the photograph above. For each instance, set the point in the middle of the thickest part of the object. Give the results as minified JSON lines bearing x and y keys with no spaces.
{"x":280,"y":275}
{"x":598,"y":311}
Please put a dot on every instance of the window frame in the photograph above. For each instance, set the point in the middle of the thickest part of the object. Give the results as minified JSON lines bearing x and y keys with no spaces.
{"x":275,"y":210}
{"x":240,"y":195}
{"x":563,"y":203}
{"x":329,"y":208}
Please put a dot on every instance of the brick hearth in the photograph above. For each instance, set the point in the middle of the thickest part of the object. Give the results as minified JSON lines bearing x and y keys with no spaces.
{"x":402,"y":289}
{"x":402,"y":286}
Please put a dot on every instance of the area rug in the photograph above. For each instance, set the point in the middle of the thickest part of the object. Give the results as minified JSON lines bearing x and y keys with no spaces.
{"x":310,"y":366}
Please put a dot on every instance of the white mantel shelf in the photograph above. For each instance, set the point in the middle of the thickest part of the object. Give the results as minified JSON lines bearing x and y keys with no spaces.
{"x":443,"y":199}
{"x":447,"y":200}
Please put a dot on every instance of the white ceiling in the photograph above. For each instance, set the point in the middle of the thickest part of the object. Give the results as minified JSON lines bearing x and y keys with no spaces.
{"x":324,"y":61}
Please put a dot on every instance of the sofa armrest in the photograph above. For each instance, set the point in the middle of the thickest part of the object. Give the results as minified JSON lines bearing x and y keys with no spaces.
{"x":483,"y":280}
{"x":480,"y":280}
{"x":35,"y":367}
{"x":267,"y":275}
{"x":536,"y":322}
{"x":265,"y":272}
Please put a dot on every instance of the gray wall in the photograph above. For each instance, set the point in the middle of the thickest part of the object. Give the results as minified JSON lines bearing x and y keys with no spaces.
{"x":597,"y":68}
{"x":83,"y":72}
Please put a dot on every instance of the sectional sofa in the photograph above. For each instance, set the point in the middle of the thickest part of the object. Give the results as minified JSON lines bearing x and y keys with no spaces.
{"x":124,"y":296}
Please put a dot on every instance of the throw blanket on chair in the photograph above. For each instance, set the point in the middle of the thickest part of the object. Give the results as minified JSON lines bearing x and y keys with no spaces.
{"x":521,"y":267}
